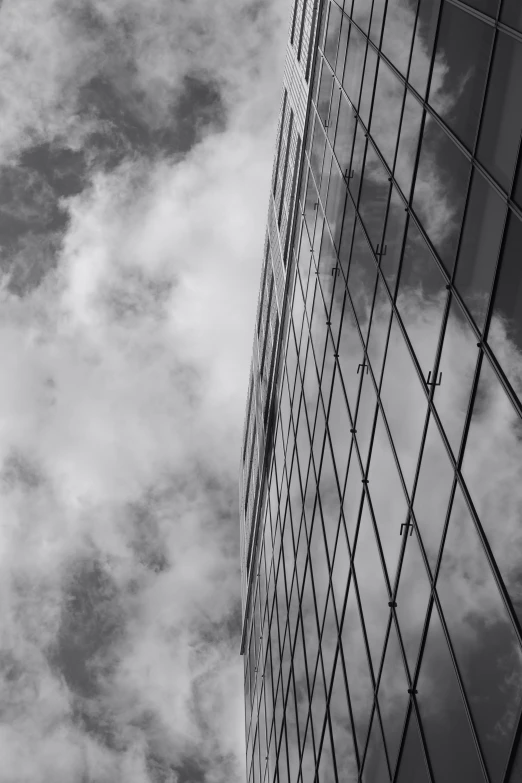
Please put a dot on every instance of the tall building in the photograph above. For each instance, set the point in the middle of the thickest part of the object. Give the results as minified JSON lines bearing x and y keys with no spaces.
{"x":381,"y":473}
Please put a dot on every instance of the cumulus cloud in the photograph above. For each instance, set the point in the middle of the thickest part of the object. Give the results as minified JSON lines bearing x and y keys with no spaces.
{"x":125,"y":333}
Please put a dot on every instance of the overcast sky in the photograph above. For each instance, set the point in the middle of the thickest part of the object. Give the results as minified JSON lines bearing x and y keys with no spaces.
{"x":136,"y":148}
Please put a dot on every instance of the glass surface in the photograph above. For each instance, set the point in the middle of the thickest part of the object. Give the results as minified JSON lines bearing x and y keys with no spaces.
{"x":511,"y":14}
{"x":398,"y":33}
{"x":391,"y":249}
{"x":463,"y":50}
{"x":479,"y":247}
{"x":365,"y":416}
{"x":344,"y":135}
{"x":354,"y":66}
{"x":373,"y":200}
{"x":372,"y":586}
{"x":317,"y":151}
{"x":505,"y":333}
{"x":491,"y":469}
{"x":448,"y":734}
{"x":343,"y":45}
{"x":483,"y":638}
{"x":340,"y":426}
{"x":489,"y":7}
{"x":412,"y":599}
{"x":393,"y":695}
{"x":334,"y":112}
{"x":440,"y":190}
{"x":502,"y":119}
{"x":401,"y":391}
{"x":379,"y":7}
{"x":342,"y":730}
{"x":412,"y":766}
{"x":353,"y":492}
{"x":370,"y":69}
{"x":387,"y":497}
{"x":335,"y":203}
{"x":361,"y":13}
{"x":362,"y":276}
{"x":358,"y":155}
{"x":408,"y":143}
{"x":456,"y":372}
{"x":332,"y":33}
{"x":350,"y":355}
{"x":432,"y":492}
{"x":421,"y":299}
{"x":375,"y":766}
{"x":425,"y":32}
{"x":386,"y":114}
{"x":378,"y":335}
{"x":360,"y":686}
{"x":330,"y":501}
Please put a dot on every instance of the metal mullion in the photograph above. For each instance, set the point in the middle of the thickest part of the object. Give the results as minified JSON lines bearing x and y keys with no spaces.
{"x":491,"y":21}
{"x":515,"y":744}
{"x":375,"y":715}
{"x":376,"y":708}
{"x":308,"y":718}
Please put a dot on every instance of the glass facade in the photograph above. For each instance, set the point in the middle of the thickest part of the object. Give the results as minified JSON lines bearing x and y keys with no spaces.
{"x":381,"y":473}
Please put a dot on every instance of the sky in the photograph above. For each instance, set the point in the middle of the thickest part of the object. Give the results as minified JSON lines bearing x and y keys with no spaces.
{"x":136,"y":148}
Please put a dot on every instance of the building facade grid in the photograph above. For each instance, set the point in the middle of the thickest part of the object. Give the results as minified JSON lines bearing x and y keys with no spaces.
{"x":383,"y":634}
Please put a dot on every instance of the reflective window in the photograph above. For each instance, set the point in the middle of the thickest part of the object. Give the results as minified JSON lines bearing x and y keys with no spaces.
{"x":506,"y":329}
{"x":398,"y":33}
{"x":483,"y":638}
{"x":345,"y":134}
{"x":332,"y":33}
{"x":408,"y":143}
{"x":448,"y":733}
{"x":502,"y":121}
{"x":373,"y":200}
{"x":432,"y":492}
{"x":463,"y":51}
{"x":370,"y":68}
{"x":343,"y":45}
{"x":393,"y":695}
{"x":421,"y":299}
{"x":387,"y":110}
{"x":335,"y":203}
{"x":412,"y":765}
{"x":511,"y":14}
{"x":413,"y":597}
{"x":354,"y":67}
{"x":479,"y":247}
{"x":489,"y":7}
{"x":390,"y":252}
{"x":455,"y":375}
{"x":401,"y":390}
{"x":440,"y":190}
{"x":375,"y":763}
{"x":361,"y":13}
{"x":492,"y":469}
{"x":425,"y":31}
{"x":362,"y":277}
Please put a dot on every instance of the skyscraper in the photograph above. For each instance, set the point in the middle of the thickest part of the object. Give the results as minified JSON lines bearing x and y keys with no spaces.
{"x":381,"y":473}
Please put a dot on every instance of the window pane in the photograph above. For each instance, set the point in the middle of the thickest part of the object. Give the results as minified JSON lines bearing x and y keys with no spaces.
{"x":325,"y":93}
{"x":393,"y":239}
{"x":370,"y":69}
{"x":423,"y":47}
{"x":401,"y":390}
{"x":335,"y":203}
{"x":502,"y":120}
{"x":463,"y":49}
{"x":446,"y":727}
{"x":413,"y":762}
{"x":362,"y":276}
{"x":398,"y":33}
{"x":393,"y":695}
{"x":353,"y":69}
{"x":492,"y":470}
{"x":386,"y":114}
{"x":489,"y":7}
{"x":344,"y":134}
{"x":374,"y":196}
{"x":341,"y":727}
{"x":332,"y":33}
{"x":360,"y":684}
{"x":479,"y":247}
{"x":343,"y":44}
{"x":375,"y":767}
{"x":457,"y":371}
{"x":372,"y":586}
{"x":421,"y":299}
{"x":413,"y":596}
{"x":482,"y":636}
{"x":408,"y":142}
{"x":432,"y":492}
{"x":506,"y":329}
{"x":511,"y":14}
{"x":440,"y":190}
{"x":359,"y":148}
{"x":379,"y":330}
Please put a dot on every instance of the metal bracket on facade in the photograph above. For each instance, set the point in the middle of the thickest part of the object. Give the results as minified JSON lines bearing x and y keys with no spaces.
{"x":336,"y":355}
{"x":413,"y":691}
{"x":353,"y":431}
{"x":335,"y":269}
{"x":406,"y":525}
{"x":328,"y":323}
{"x":362,"y":365}
{"x":364,"y":480}
{"x":349,"y":175}
{"x":392,"y":604}
{"x":381,"y":251}
{"x":429,"y":382}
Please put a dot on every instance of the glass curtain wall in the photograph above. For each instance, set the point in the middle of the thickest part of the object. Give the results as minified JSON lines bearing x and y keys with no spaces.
{"x":385,"y":626}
